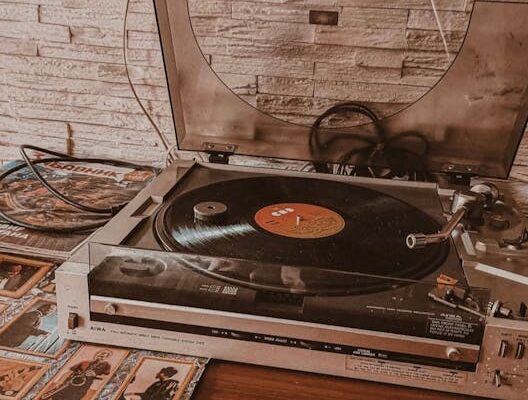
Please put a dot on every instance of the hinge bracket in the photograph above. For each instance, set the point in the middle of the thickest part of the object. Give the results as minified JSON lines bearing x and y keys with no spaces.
{"x":460,"y":174}
{"x":455,"y":178}
{"x":218,"y":152}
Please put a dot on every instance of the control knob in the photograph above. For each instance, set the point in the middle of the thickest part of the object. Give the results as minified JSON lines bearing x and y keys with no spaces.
{"x":453,"y":353}
{"x":110,"y":309}
{"x":497,"y":378}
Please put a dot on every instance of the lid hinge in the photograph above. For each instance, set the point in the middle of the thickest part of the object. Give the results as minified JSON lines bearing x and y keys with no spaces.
{"x":460,"y":179}
{"x":218,"y":152}
{"x":460,"y":174}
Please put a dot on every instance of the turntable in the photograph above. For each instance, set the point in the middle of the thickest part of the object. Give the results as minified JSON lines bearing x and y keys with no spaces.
{"x":418,"y":280}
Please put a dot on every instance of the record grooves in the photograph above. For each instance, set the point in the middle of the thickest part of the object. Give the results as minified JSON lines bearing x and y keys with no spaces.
{"x":329,"y":244}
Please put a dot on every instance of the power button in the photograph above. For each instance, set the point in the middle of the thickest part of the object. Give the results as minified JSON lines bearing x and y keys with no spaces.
{"x":73,"y":320}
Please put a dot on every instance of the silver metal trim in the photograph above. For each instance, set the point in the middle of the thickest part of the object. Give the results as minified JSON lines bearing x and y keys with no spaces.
{"x":275,"y":326}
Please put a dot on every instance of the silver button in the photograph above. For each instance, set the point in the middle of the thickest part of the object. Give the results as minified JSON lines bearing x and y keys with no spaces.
{"x":110,"y":309}
{"x":453,"y":353}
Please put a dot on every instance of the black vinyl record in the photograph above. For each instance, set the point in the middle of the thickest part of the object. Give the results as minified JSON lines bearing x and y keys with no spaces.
{"x":301,"y":235}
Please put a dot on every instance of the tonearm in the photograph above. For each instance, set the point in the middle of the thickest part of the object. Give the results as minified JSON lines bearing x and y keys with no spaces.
{"x":466,"y":204}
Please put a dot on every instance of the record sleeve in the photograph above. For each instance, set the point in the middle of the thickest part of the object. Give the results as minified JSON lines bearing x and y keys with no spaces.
{"x":24,"y":198}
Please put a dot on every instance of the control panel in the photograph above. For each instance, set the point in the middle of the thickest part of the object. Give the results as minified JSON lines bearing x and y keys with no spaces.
{"x":503,"y":367}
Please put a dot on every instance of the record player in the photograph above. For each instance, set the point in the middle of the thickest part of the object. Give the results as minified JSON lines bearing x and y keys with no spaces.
{"x":418,"y":282}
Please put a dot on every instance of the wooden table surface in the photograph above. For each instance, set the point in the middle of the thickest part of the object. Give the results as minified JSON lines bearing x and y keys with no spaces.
{"x":233,"y":381}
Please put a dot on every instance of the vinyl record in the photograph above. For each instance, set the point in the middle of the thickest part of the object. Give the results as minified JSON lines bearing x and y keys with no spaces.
{"x":300,"y":235}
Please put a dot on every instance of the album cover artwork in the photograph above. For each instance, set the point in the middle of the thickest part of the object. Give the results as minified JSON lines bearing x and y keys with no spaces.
{"x":25,"y":199}
{"x":85,"y":374}
{"x":20,"y":274}
{"x":48,"y":284}
{"x":17,"y":377}
{"x":34,"y":331}
{"x":157,"y":378}
{"x":20,"y":240}
{"x":49,"y":288}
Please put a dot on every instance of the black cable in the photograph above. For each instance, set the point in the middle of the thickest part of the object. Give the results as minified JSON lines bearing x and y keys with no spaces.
{"x":315,"y":142}
{"x":399,"y":160}
{"x":124,"y":42}
{"x":105,"y":213}
{"x":111,"y":210}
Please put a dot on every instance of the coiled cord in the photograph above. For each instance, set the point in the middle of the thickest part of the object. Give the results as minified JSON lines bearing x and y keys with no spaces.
{"x":105,"y":213}
{"x":399,"y":160}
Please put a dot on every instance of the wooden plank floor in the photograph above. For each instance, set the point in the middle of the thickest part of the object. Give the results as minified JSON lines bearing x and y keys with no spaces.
{"x":233,"y":381}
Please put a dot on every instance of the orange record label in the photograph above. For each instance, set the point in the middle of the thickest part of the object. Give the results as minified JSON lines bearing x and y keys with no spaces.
{"x":299,"y":220}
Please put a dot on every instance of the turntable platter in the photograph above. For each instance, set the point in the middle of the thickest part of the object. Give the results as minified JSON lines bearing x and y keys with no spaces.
{"x":314,"y":241}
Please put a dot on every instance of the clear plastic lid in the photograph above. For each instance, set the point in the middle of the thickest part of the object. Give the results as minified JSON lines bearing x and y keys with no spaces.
{"x":446,"y":79}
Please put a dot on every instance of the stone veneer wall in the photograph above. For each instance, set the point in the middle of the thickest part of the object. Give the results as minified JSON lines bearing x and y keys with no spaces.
{"x":385,"y":54}
{"x":63,"y":83}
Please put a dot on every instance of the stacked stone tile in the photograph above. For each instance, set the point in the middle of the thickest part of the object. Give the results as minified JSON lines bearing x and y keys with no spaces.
{"x":63,"y":82}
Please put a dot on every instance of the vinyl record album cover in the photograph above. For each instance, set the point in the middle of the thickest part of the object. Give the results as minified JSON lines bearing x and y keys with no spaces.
{"x":24,"y":198}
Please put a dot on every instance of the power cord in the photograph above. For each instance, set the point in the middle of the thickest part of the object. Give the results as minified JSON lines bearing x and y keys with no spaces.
{"x":105,"y":213}
{"x":365,"y":159}
{"x":316,"y":144}
{"x":168,"y":148}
